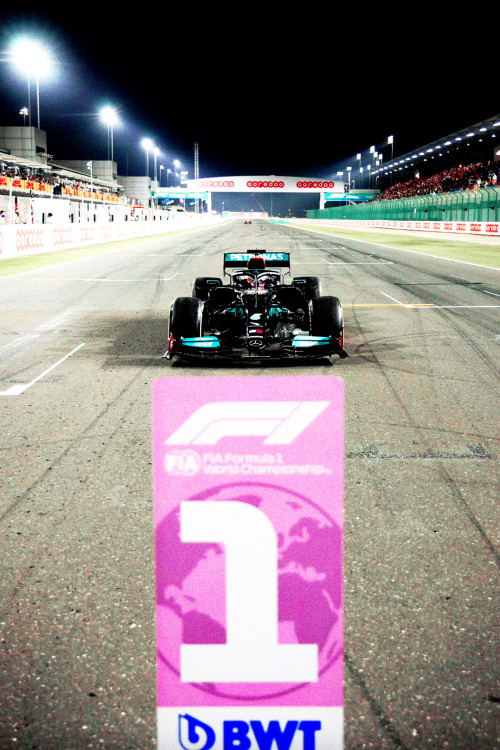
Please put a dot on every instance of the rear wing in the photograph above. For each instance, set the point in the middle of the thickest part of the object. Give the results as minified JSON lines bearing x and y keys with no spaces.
{"x":240,"y":260}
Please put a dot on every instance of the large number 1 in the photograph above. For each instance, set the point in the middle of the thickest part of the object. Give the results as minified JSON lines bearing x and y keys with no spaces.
{"x":251,"y":652}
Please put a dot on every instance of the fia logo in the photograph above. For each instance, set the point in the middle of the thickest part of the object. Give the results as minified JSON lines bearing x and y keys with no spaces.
{"x":280,"y":422}
{"x":242,"y":735}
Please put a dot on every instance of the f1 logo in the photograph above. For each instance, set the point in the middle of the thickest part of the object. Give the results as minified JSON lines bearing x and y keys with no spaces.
{"x":279,"y":421}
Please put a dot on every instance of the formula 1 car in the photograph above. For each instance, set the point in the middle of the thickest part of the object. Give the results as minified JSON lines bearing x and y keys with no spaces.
{"x":257,"y":315}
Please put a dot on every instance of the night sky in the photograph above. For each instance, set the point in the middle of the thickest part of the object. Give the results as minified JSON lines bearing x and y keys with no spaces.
{"x":261,"y":91}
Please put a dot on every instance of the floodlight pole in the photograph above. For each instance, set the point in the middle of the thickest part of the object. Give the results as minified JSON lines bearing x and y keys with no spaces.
{"x":38,"y":100}
{"x":196,"y":177}
{"x":29,"y":101}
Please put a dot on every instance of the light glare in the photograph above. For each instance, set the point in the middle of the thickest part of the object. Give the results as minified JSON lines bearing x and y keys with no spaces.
{"x":109,"y":116}
{"x":31,"y":57}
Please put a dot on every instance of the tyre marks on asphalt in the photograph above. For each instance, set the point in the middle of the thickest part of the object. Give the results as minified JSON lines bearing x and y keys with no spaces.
{"x":17,"y":505}
{"x":456,"y":494}
{"x":385,"y":723}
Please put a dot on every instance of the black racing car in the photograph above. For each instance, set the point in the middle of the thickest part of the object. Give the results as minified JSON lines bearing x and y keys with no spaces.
{"x":257,"y":315}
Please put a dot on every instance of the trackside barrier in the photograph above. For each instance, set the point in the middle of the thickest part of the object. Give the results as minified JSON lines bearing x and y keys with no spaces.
{"x":25,"y":239}
{"x":456,"y":227}
{"x":481,"y":205}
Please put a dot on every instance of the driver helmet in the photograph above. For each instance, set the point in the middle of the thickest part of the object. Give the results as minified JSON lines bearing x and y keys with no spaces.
{"x":245,"y":281}
{"x":256,"y":263}
{"x":265,"y":281}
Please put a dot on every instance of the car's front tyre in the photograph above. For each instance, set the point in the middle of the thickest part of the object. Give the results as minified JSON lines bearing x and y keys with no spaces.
{"x":327,"y":317}
{"x":185,"y":321}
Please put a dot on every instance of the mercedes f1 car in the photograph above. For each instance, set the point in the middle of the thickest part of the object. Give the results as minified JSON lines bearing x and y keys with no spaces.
{"x":257,"y":315}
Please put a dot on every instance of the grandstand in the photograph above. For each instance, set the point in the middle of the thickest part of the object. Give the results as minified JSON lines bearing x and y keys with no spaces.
{"x":456,"y":178}
{"x":462,"y":177}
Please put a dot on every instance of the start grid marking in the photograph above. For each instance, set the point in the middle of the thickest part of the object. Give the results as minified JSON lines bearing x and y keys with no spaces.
{"x":410,"y":305}
{"x":19,"y":388}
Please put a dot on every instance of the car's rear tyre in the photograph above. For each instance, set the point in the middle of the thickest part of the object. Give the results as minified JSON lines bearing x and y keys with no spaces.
{"x":309,"y":285}
{"x":327,"y":317}
{"x":203,"y":284}
{"x":186,"y":318}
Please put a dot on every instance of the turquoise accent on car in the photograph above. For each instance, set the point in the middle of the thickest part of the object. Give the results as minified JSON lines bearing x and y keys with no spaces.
{"x":202,"y":342}
{"x":303,"y":342}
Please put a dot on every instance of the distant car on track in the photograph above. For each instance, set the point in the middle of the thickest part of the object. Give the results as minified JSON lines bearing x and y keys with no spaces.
{"x":257,"y":315}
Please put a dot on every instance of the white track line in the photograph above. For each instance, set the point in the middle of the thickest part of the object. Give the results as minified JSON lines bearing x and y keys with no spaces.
{"x":16,"y":390}
{"x":396,"y":300}
{"x":355,"y":263}
{"x":401,"y":249}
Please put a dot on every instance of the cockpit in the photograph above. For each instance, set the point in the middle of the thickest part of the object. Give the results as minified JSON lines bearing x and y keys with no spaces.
{"x":257,"y":282}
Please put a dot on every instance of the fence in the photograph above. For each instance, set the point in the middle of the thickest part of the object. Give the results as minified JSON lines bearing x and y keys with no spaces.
{"x":480,"y":205}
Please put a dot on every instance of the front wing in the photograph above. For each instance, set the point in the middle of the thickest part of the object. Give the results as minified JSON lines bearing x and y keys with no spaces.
{"x":299,"y":347}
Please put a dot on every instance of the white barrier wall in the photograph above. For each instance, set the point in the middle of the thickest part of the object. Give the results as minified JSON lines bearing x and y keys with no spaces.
{"x":27,"y":239}
{"x":456,"y":227}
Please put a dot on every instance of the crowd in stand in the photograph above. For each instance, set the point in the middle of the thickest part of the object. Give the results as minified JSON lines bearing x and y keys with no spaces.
{"x":16,"y":175}
{"x":468,"y":177}
{"x":57,"y":181}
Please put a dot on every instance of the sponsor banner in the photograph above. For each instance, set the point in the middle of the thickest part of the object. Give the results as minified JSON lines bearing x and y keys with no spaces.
{"x":462,"y":227}
{"x":357,"y":196}
{"x":68,"y":192}
{"x":237,"y":728}
{"x":29,"y":239}
{"x":272,"y":260}
{"x":248,"y":476}
{"x":31,"y":186}
{"x":269,"y":184}
{"x":180,"y":193}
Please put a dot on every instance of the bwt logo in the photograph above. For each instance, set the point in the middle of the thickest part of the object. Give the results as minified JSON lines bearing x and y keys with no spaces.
{"x":280,"y":422}
{"x":242,"y":735}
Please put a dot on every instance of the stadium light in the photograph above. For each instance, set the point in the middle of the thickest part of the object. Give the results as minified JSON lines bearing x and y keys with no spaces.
{"x":110,"y":118}
{"x":390,"y":142}
{"x":148,"y":145}
{"x":34,"y":61}
{"x":177,"y":164}
{"x":156,"y":154}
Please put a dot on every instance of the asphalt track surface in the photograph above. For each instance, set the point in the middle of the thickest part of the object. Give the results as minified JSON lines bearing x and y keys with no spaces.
{"x":82,"y":343}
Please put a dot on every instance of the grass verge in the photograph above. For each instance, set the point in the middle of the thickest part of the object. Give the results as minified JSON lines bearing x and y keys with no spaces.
{"x":469,"y":252}
{"x":14,"y":266}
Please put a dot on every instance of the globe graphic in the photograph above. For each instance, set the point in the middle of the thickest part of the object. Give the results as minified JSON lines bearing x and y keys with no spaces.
{"x":191,"y":589}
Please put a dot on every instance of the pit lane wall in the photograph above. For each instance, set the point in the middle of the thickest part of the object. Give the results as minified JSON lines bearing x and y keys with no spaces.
{"x":30,"y":239}
{"x":446,"y":227}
